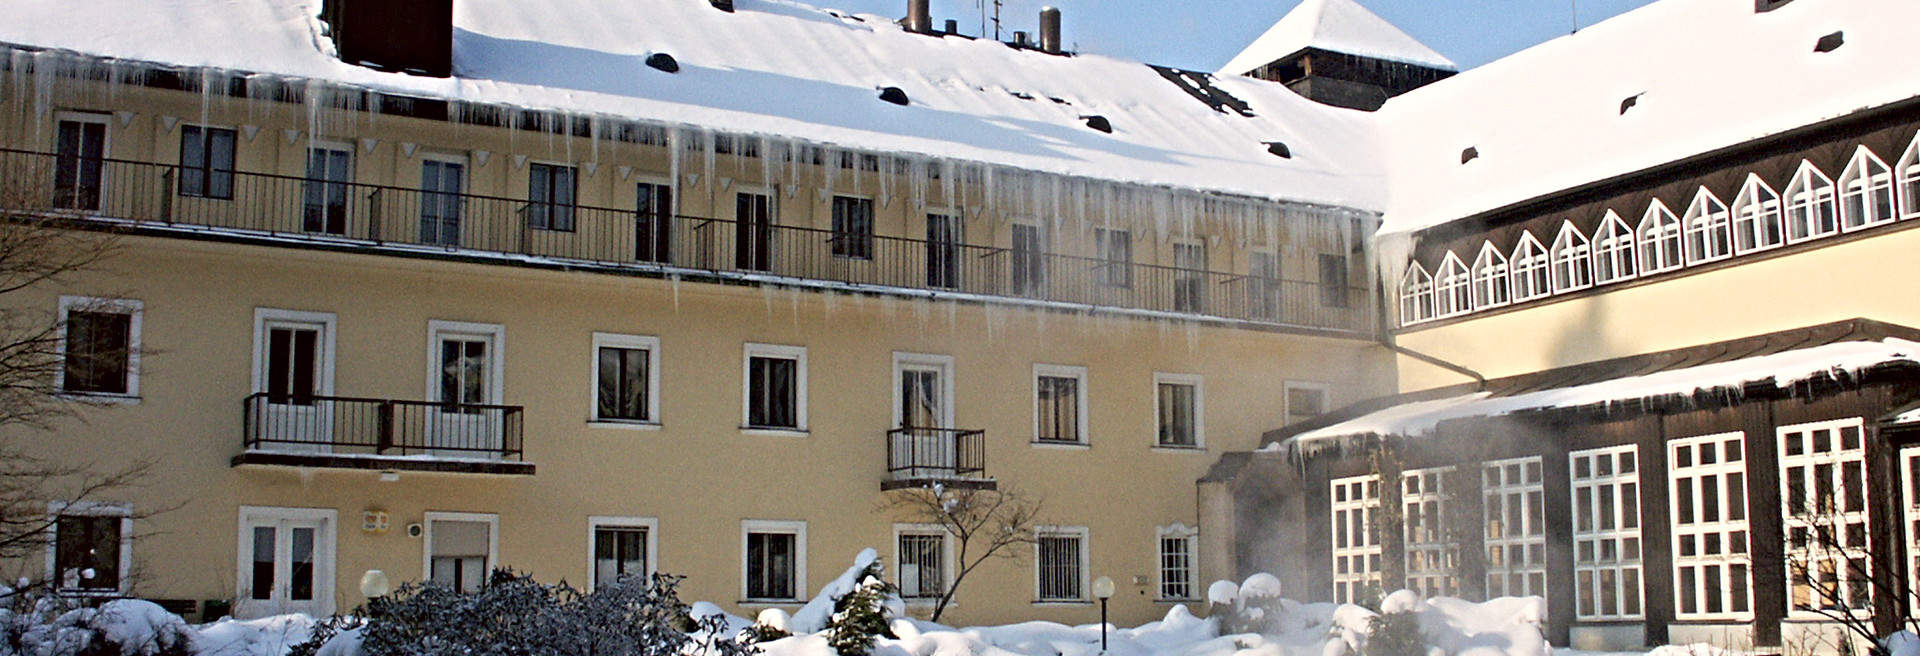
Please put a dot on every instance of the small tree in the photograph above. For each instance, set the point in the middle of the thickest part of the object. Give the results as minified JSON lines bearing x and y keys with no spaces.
{"x":861,"y":615}
{"x":984,"y":523}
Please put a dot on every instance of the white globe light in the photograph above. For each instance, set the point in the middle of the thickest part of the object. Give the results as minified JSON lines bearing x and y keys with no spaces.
{"x":374,"y":584}
{"x":1103,"y":587}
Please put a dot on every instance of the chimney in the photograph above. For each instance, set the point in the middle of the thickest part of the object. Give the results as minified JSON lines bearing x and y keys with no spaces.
{"x":953,"y":26}
{"x":919,"y":18}
{"x":1020,"y":38}
{"x":1050,"y":30}
{"x":415,"y":36}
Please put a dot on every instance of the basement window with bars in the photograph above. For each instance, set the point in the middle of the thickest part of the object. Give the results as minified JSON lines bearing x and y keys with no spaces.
{"x":1356,"y":538}
{"x":1061,"y":564}
{"x":1711,"y":561}
{"x":922,"y":563}
{"x":1824,"y":486}
{"x":1433,"y":555}
{"x":1176,"y":563}
{"x":1515,"y":534}
{"x":1606,"y":533}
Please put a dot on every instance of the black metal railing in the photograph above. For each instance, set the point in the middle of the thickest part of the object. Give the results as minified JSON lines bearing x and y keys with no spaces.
{"x":442,"y":220}
{"x":340,"y":425}
{"x":934,"y":454}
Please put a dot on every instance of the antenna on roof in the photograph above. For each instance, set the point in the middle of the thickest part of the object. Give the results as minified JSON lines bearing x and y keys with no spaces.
{"x":1573,"y":15}
{"x":996,"y":20}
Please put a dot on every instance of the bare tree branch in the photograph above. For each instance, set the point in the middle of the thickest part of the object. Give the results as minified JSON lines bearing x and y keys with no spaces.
{"x":985,"y":524}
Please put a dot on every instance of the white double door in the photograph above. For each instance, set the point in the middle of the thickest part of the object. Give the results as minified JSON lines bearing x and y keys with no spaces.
{"x":286,"y":561}
{"x":465,"y":377}
{"x":923,"y":407}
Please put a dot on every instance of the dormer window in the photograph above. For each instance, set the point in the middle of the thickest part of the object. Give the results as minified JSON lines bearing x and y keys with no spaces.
{"x":1756,"y":217}
{"x":1866,"y":192}
{"x":1490,"y":285}
{"x":1452,"y":288}
{"x":1908,"y":174}
{"x":1659,"y":239}
{"x":1613,"y":258}
{"x":1709,"y":229}
{"x":1810,"y":210}
{"x":1529,"y":269}
{"x":1572,"y":270}
{"x":1416,"y":296}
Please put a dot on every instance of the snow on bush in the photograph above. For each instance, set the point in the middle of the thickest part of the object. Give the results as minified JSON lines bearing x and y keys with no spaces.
{"x":43,"y":626}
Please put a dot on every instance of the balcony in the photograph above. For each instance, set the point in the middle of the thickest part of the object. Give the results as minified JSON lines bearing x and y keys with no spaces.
{"x":381,"y":434}
{"x":265,"y":208}
{"x":924,"y":457}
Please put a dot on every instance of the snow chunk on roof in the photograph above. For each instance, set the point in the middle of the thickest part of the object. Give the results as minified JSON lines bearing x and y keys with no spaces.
{"x":1338,"y":25}
{"x":1785,"y":369}
{"x":1706,"y":74}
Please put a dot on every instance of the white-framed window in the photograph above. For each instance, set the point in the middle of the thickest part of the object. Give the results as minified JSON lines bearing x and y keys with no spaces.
{"x":89,"y":547}
{"x":621,"y":546}
{"x":327,"y":192}
{"x":1176,"y":562}
{"x":922,"y":561}
{"x":1660,"y":239}
{"x":1305,"y":400}
{"x":626,"y":379}
{"x":1059,"y":404}
{"x":466,"y":362}
{"x":1866,"y":192}
{"x":1491,"y":288}
{"x":1709,"y":227}
{"x":99,"y":347}
{"x":1810,"y":208}
{"x":1515,"y":535}
{"x":81,"y":148}
{"x":1824,"y":491}
{"x":1115,"y":249}
{"x":286,"y":561}
{"x":922,"y":390}
{"x":774,"y":388}
{"x":1060,"y":564}
{"x":1910,"y":509}
{"x":1606,"y":532}
{"x":1416,"y":295}
{"x":443,"y":179}
{"x":1756,"y":217}
{"x":1452,"y":288}
{"x":1180,"y":404}
{"x":773,"y":561}
{"x":293,"y":355}
{"x":1613,"y":250}
{"x":206,"y":162}
{"x":460,"y":549}
{"x":1712,"y":564}
{"x":1907,"y":171}
{"x":1433,"y":553}
{"x":1572,"y":267}
{"x":1529,"y":269}
{"x":1356,"y":538}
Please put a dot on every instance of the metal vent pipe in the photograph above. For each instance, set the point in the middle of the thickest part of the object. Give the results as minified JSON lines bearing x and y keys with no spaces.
{"x":919,"y":17}
{"x":1050,"y":30}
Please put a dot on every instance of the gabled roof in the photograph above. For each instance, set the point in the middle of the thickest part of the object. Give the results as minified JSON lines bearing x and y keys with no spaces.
{"x":1341,"y":26}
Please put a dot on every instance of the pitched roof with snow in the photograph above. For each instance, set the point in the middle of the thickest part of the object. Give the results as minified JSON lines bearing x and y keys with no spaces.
{"x":1705,"y":75}
{"x":781,"y":69}
{"x":1340,"y":26}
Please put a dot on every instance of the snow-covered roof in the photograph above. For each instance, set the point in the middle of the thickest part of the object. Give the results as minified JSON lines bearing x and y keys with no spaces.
{"x":1705,"y":74}
{"x":1785,"y":369}
{"x":781,"y":69}
{"x":1340,"y":26}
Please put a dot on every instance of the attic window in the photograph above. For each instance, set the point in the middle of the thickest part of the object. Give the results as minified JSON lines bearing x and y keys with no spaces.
{"x":1099,"y":123}
{"x":1279,"y":150}
{"x":1629,"y":102}
{"x":894,"y":95}
{"x":664,"y":62}
{"x":1470,"y":154}
{"x":1830,"y":42}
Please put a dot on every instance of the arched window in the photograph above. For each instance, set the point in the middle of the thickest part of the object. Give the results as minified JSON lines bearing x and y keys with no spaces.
{"x":1810,"y":212}
{"x":1908,"y":173}
{"x":1491,"y":288}
{"x":1529,"y":269}
{"x":1866,"y":191}
{"x":1416,"y":296}
{"x":1659,"y":239}
{"x":1709,"y":230}
{"x":1756,"y":217}
{"x":1452,"y":288}
{"x":1571,"y":267}
{"x":1613,"y":259}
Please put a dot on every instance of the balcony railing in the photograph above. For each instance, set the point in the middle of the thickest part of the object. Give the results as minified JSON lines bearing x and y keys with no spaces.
{"x":918,"y":457}
{"x":347,"y":429}
{"x":418,"y":220}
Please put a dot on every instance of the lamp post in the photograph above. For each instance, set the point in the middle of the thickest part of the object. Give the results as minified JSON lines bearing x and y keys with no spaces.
{"x":374,"y":586}
{"x":1103,"y":590}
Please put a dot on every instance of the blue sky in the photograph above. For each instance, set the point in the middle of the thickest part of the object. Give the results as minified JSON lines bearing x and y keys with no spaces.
{"x":1203,"y":34}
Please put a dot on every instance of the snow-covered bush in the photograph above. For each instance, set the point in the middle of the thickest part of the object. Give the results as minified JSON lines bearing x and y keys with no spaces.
{"x":862,"y":614}
{"x":1395,"y":634}
{"x":770,"y":625}
{"x":39,"y":625}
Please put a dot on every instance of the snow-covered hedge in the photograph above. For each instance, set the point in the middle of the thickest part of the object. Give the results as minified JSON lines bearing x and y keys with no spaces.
{"x":46,"y":626}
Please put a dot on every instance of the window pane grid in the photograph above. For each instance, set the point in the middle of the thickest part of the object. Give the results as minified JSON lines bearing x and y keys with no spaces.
{"x":1824,"y":492}
{"x":1606,"y":533}
{"x":1515,"y":535}
{"x":1356,"y":538}
{"x":1176,"y":567}
{"x":1058,"y":405}
{"x":922,"y":565}
{"x":1709,"y":499}
{"x":1059,"y":568}
{"x":1433,"y":556}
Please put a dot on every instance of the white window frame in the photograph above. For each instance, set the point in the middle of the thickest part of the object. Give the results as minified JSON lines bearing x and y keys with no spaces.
{"x":1807,"y":195}
{"x":1199,"y":410}
{"x":1286,"y":398}
{"x":328,"y":324}
{"x":1615,"y":252}
{"x":1531,"y":539}
{"x":1529,"y":269}
{"x":1452,"y":288}
{"x":496,"y":336}
{"x":1906,"y":180}
{"x":325,"y":546}
{"x":1416,"y":296}
{"x":1081,"y":393}
{"x":1838,"y":458}
{"x":56,"y":509}
{"x":946,"y":558}
{"x":1753,"y":208}
{"x":596,"y":522}
{"x":1086,"y":546}
{"x":106,"y":140}
{"x":1660,"y":241}
{"x":797,"y":528}
{"x":1189,"y":535}
{"x":944,"y":364}
{"x":1709,"y":219}
{"x":647,"y":343}
{"x":1909,"y":477}
{"x":1866,"y":177}
{"x":132,"y":307}
{"x":492,"y":520}
{"x":1597,"y":537}
{"x":1491,"y":286}
{"x":1363,"y":552}
{"x":1570,"y":258}
{"x":796,"y":353}
{"x":1724,"y":526}
{"x":1427,"y":540}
